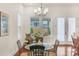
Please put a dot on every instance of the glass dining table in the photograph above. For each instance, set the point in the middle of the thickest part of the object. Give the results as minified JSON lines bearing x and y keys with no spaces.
{"x":46,"y":45}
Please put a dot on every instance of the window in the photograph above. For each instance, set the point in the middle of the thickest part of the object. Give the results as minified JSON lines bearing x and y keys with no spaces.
{"x":61,"y":29}
{"x":71,"y":27}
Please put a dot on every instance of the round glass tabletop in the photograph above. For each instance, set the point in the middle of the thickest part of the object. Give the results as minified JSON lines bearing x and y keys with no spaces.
{"x":46,"y":45}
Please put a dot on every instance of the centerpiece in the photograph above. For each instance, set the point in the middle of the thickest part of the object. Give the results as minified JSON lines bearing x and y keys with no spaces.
{"x":34,"y":38}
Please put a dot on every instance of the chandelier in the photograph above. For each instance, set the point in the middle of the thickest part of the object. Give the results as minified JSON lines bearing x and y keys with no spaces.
{"x":41,"y":11}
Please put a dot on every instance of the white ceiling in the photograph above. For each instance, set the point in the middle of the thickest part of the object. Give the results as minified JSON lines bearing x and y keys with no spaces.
{"x":50,"y":4}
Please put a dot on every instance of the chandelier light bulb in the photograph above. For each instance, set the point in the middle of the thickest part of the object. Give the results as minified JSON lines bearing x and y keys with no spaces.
{"x":35,"y":11}
{"x":39,"y":9}
{"x":46,"y":9}
{"x":44,"y":12}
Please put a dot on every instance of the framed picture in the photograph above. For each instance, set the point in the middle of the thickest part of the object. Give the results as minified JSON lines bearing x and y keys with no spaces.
{"x":40,"y":26}
{"x":3,"y":24}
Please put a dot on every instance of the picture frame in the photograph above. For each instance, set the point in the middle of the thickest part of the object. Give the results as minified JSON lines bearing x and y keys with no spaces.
{"x":3,"y":24}
{"x":40,"y":26}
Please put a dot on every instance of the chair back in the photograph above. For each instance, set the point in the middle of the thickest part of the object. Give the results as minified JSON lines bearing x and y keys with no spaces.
{"x":75,"y":46}
{"x":74,"y":42}
{"x":19,"y":44}
{"x":37,"y":50}
{"x":56,"y":45}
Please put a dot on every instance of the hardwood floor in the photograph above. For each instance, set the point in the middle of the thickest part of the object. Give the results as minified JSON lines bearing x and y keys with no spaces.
{"x":64,"y":50}
{"x":22,"y":52}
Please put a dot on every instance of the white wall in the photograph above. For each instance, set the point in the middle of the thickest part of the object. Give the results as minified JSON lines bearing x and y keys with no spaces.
{"x":8,"y":44}
{"x":55,"y":10}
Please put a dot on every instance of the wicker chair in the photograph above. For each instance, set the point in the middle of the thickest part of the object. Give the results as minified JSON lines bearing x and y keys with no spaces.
{"x":75,"y":48}
{"x":20,"y":48}
{"x":53,"y":51}
{"x":37,"y":50}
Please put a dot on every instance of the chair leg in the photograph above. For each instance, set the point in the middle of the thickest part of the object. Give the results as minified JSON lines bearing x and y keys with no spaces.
{"x":56,"y":53}
{"x":31,"y":53}
{"x":19,"y":53}
{"x":48,"y":53}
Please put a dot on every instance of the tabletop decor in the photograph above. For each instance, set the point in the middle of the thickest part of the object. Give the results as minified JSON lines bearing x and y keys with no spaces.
{"x":38,"y":37}
{"x":28,"y":39}
{"x":33,"y":38}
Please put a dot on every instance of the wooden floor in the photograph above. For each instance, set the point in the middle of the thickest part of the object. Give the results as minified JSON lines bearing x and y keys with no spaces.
{"x":22,"y":52}
{"x":63,"y":50}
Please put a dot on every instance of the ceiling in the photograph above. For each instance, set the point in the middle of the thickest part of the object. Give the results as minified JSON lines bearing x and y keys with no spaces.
{"x":50,"y":4}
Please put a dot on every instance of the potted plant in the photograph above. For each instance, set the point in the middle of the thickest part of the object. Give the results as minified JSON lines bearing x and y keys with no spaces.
{"x":38,"y":37}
